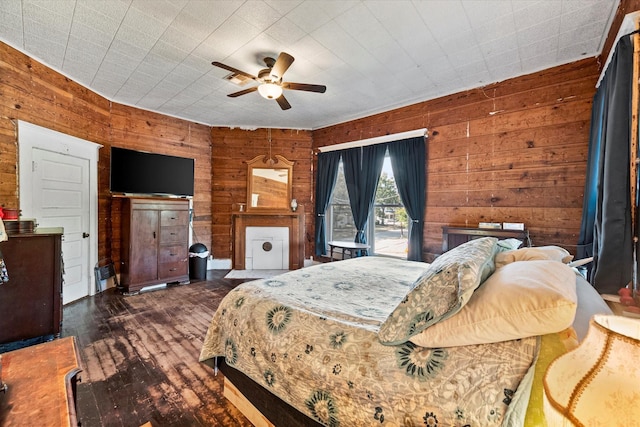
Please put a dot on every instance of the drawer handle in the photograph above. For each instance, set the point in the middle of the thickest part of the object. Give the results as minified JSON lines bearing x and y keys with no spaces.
{"x":173,"y":234}
{"x":173,"y":269}
{"x":170,"y":254}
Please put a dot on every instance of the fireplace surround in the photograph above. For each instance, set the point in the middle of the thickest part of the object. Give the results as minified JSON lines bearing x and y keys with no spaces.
{"x":293,"y":220}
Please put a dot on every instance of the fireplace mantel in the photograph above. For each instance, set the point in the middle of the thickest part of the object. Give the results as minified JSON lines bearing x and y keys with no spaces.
{"x":292,"y":220}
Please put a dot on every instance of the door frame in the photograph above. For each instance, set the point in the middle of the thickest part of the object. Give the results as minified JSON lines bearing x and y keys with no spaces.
{"x":31,"y":136}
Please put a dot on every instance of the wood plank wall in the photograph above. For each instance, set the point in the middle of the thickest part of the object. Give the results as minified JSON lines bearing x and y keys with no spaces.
{"x":31,"y":92}
{"x":513,"y":151}
{"x":232,"y":148}
{"x":522,"y":161}
{"x":146,"y":131}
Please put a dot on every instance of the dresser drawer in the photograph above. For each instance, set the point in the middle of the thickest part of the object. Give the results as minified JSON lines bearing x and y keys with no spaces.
{"x":170,"y":254}
{"x":173,"y":235}
{"x":173,"y":269}
{"x":174,"y":218}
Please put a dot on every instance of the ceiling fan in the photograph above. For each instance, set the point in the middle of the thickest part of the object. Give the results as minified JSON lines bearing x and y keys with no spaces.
{"x":270,"y":79}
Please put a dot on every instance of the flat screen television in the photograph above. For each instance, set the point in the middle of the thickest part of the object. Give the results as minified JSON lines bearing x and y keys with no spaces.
{"x":139,"y":172}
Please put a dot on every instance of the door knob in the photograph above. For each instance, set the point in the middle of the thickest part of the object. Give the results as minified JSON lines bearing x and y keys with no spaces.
{"x":85,"y":235}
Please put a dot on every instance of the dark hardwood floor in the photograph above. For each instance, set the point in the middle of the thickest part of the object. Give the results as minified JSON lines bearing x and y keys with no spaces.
{"x":140,"y":357}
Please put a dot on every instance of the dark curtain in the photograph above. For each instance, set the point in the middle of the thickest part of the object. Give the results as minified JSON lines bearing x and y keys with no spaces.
{"x":362,"y":168}
{"x":326,"y":180}
{"x":612,"y":248}
{"x":408,"y":161}
{"x":589,"y":202}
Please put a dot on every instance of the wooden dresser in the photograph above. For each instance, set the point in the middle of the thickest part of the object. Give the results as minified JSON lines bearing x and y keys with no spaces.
{"x":41,"y":385}
{"x":155,"y":242}
{"x":31,"y":301}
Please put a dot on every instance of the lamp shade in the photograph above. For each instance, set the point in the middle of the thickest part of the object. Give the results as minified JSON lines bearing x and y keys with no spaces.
{"x":598,"y":383}
{"x":270,"y":90}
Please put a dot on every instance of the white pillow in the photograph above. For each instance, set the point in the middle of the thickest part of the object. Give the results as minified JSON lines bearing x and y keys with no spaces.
{"x":521,"y":299}
{"x":589,"y":303}
{"x":553,"y":253}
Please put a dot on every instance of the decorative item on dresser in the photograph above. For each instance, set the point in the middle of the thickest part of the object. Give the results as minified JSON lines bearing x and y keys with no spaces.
{"x":31,"y":299}
{"x":41,"y":385}
{"x":155,"y":234}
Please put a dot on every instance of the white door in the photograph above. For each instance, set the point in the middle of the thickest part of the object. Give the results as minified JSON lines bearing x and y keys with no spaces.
{"x":50,"y":192}
{"x":60,"y":189}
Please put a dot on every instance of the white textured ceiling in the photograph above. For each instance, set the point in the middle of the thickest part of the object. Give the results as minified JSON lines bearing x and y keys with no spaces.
{"x":373,"y":55}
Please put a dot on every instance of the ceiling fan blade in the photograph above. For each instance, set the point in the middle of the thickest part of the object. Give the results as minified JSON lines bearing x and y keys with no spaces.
{"x":282,"y":64}
{"x":283,"y":103}
{"x":304,"y":86}
{"x":233,"y":70}
{"x":243,"y":92}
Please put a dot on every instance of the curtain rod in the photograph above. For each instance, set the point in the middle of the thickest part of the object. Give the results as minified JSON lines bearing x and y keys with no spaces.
{"x":375,"y":140}
{"x":626,"y":29}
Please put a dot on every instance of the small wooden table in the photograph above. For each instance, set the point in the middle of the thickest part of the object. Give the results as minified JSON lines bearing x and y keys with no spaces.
{"x":41,"y":385}
{"x":348,"y":247}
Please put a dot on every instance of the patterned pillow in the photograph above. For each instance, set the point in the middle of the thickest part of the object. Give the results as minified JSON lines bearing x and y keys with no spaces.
{"x":441,"y":291}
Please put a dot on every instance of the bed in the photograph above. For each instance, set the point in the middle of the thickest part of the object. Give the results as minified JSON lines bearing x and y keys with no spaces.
{"x":380,"y":341}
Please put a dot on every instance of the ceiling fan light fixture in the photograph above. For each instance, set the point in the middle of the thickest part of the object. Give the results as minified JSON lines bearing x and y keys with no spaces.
{"x":270,"y":84}
{"x":270,"y":90}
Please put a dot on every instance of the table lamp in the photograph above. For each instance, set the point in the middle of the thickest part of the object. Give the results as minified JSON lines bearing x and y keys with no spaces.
{"x":598,"y":383}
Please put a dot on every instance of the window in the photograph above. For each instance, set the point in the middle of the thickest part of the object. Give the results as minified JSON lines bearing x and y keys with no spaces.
{"x":387,"y":225}
{"x":390,"y":224}
{"x":340,"y":219}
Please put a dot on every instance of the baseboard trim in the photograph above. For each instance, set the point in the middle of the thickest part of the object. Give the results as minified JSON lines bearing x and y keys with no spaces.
{"x":219,"y":264}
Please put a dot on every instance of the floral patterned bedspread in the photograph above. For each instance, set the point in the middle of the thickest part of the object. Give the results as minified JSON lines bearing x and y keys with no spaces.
{"x":310,"y":337}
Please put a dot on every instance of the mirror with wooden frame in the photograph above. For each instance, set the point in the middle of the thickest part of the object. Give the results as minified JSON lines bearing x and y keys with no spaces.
{"x":269,"y":183}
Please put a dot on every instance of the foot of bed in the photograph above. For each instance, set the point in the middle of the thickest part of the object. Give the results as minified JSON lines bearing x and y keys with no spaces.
{"x":238,"y":400}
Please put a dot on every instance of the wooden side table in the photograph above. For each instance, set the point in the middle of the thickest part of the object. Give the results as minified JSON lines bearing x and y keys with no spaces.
{"x":348,"y":247}
{"x":41,"y":385}
{"x":455,"y":236}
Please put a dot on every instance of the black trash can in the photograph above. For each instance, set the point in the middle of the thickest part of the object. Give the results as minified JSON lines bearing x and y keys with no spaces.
{"x":198,"y":255}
